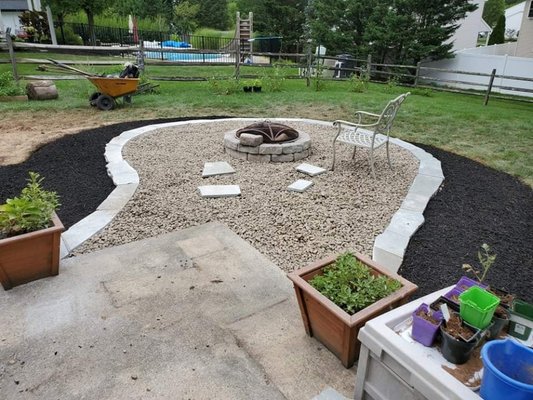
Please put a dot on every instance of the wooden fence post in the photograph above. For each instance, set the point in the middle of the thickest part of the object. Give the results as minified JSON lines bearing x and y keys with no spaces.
{"x":417,"y":74}
{"x":11,"y":53}
{"x":490,"y":86}
{"x":309,"y":62}
{"x":368,"y":66}
{"x":140,"y":56}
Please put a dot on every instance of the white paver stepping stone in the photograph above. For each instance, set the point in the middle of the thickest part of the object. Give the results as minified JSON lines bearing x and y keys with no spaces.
{"x":301,"y":185}
{"x":309,"y":169}
{"x":219,"y":190}
{"x":217,"y":168}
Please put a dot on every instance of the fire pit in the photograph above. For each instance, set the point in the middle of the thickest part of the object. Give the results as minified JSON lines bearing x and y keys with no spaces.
{"x":268,"y":142}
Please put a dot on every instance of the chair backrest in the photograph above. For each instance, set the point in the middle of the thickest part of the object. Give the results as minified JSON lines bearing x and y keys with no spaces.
{"x":386,"y":118}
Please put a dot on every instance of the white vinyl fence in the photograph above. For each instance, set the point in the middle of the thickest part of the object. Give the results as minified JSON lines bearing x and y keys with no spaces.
{"x":514,"y":75}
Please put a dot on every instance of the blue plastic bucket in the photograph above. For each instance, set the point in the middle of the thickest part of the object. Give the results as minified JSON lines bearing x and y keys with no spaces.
{"x":507,"y":372}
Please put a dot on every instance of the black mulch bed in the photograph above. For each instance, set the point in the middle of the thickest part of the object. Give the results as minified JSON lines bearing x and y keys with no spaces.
{"x":475,"y":205}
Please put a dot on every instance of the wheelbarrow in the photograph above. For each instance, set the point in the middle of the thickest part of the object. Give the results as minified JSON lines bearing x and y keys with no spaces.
{"x":109,"y":89}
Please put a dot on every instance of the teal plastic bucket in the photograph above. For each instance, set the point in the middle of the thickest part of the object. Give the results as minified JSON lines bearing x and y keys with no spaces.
{"x":507,"y":372}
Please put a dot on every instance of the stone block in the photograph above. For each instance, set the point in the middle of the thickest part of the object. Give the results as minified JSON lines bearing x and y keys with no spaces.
{"x":237,"y":154}
{"x":301,"y":185}
{"x":259,"y":157}
{"x":217,"y":168}
{"x":290,"y":148}
{"x":248,"y":149}
{"x":231,"y":142}
{"x":301,"y":155}
{"x":282,"y":157}
{"x":268,"y":148}
{"x":248,"y":139}
{"x":309,"y":169}
{"x":41,"y":90}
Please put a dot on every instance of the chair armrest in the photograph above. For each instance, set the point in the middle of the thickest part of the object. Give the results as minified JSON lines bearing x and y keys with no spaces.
{"x":368,"y":113}
{"x":356,"y":125}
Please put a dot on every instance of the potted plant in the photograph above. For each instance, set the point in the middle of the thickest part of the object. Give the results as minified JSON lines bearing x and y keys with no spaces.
{"x":338,"y":295}
{"x":500,"y":321}
{"x":257,"y":85}
{"x":458,"y":339}
{"x":30,"y":235}
{"x":426,"y":323}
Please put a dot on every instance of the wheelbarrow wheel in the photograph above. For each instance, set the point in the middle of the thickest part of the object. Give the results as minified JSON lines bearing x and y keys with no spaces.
{"x":93,"y":97}
{"x":105,"y":102}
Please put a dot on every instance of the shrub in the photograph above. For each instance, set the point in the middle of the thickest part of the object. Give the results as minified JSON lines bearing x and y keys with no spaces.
{"x":8,"y":85}
{"x":351,"y":285}
{"x":29,"y":212}
{"x":220,"y":85}
{"x":358,"y":83}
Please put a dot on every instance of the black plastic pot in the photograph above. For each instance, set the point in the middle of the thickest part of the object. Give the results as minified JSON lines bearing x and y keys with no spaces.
{"x":247,"y":89}
{"x":257,"y":89}
{"x":498,"y":324}
{"x":458,"y":351}
{"x":443,"y":300}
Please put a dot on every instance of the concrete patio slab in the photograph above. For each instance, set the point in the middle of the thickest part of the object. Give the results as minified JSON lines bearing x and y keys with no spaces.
{"x":301,"y":185}
{"x":219,"y":190}
{"x":194,"y":314}
{"x":309,"y":169}
{"x":217,"y":168}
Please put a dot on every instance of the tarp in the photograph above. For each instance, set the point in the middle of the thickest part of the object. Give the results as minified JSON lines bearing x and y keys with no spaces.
{"x":172,"y":43}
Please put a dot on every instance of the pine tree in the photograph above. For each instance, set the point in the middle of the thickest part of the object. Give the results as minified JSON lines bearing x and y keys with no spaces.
{"x":498,"y":34}
{"x":492,"y":11}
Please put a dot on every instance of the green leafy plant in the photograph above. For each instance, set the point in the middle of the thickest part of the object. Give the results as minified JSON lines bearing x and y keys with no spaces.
{"x":29,"y":212}
{"x":392,"y":84}
{"x":220,"y":85}
{"x":351,"y":285}
{"x":8,"y":85}
{"x":486,"y":259}
{"x":274,"y":81}
{"x":358,"y":83}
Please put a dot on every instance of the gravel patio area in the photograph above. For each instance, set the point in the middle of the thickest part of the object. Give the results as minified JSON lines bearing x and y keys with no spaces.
{"x":475,"y":205}
{"x":345,"y":209}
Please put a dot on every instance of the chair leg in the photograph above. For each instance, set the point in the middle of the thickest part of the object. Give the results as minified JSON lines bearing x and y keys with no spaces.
{"x":333,"y":162}
{"x":353,"y":154}
{"x":372,"y":163}
{"x":388,"y":156}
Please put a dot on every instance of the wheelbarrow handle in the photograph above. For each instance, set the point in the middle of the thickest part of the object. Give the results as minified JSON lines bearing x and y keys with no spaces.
{"x":79,"y":71}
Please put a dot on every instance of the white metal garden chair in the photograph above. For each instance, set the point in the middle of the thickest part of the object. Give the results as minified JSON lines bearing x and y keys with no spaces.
{"x":368,"y":135}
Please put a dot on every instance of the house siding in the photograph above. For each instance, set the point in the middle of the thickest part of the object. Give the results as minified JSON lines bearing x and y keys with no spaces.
{"x":524,"y":46}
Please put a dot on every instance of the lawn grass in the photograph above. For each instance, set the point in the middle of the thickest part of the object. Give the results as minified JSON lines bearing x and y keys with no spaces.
{"x":498,"y":135}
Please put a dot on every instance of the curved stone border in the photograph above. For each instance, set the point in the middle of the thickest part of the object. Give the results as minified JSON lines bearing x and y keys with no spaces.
{"x":294,"y":150}
{"x":389,"y":246}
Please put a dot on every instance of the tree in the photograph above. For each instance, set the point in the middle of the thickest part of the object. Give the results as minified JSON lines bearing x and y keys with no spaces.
{"x":60,"y":8}
{"x":212,"y":14}
{"x":283,"y":18}
{"x":498,"y":34}
{"x":492,"y":11}
{"x":184,"y":18}
{"x":91,"y":8}
{"x":404,"y":31}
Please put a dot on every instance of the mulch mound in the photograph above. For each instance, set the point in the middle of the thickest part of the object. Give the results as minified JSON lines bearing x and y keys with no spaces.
{"x":475,"y":205}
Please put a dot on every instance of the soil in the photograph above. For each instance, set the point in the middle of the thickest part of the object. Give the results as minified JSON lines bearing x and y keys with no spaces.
{"x":468,"y":373}
{"x":475,"y":204}
{"x":456,"y":329}
{"x":501,"y":312}
{"x":506,"y":299}
{"x":428,"y":317}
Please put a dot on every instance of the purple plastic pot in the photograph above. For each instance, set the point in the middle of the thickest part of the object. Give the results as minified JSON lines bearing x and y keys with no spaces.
{"x":424,"y":331}
{"x":465,"y":282}
{"x":453,"y":296}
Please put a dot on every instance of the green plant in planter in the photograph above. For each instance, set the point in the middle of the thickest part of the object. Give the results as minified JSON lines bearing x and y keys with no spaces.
{"x":8,"y":85}
{"x":351,"y":285}
{"x":29,"y":212}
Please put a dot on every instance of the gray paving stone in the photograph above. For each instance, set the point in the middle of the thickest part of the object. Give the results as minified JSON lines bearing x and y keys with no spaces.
{"x":249,"y":149}
{"x":237,"y":154}
{"x":248,"y":139}
{"x":425,"y":185}
{"x":259,"y":157}
{"x":389,"y":249}
{"x":122,"y":173}
{"x":118,"y":197}
{"x":301,"y":155}
{"x":268,"y":148}
{"x":217,"y":168}
{"x":292,"y":148}
{"x":87,"y":227}
{"x":301,"y":185}
{"x":219,"y":190}
{"x":282,"y":157}
{"x":329,"y":394}
{"x":406,"y":222}
{"x":309,"y":169}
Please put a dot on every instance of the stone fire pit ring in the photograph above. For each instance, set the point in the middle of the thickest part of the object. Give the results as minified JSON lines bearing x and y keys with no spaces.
{"x":294,"y":150}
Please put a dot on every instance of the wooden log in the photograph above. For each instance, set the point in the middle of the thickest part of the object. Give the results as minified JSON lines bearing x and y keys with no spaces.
{"x":42,"y":90}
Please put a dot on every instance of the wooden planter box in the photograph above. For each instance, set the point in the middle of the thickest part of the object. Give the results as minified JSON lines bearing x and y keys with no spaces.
{"x":330,"y":324}
{"x":30,"y":256}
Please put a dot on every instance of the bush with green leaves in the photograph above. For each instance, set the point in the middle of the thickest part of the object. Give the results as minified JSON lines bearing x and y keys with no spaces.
{"x":358,"y":83}
{"x":224,"y":86}
{"x":29,"y":212}
{"x":351,"y":285}
{"x":274,"y":81}
{"x":8,"y":85}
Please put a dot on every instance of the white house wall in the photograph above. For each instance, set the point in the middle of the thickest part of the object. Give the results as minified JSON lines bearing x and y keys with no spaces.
{"x":480,"y":63}
{"x":466,"y":35}
{"x":513,"y":17}
{"x":524,"y":47}
{"x":10,"y":19}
